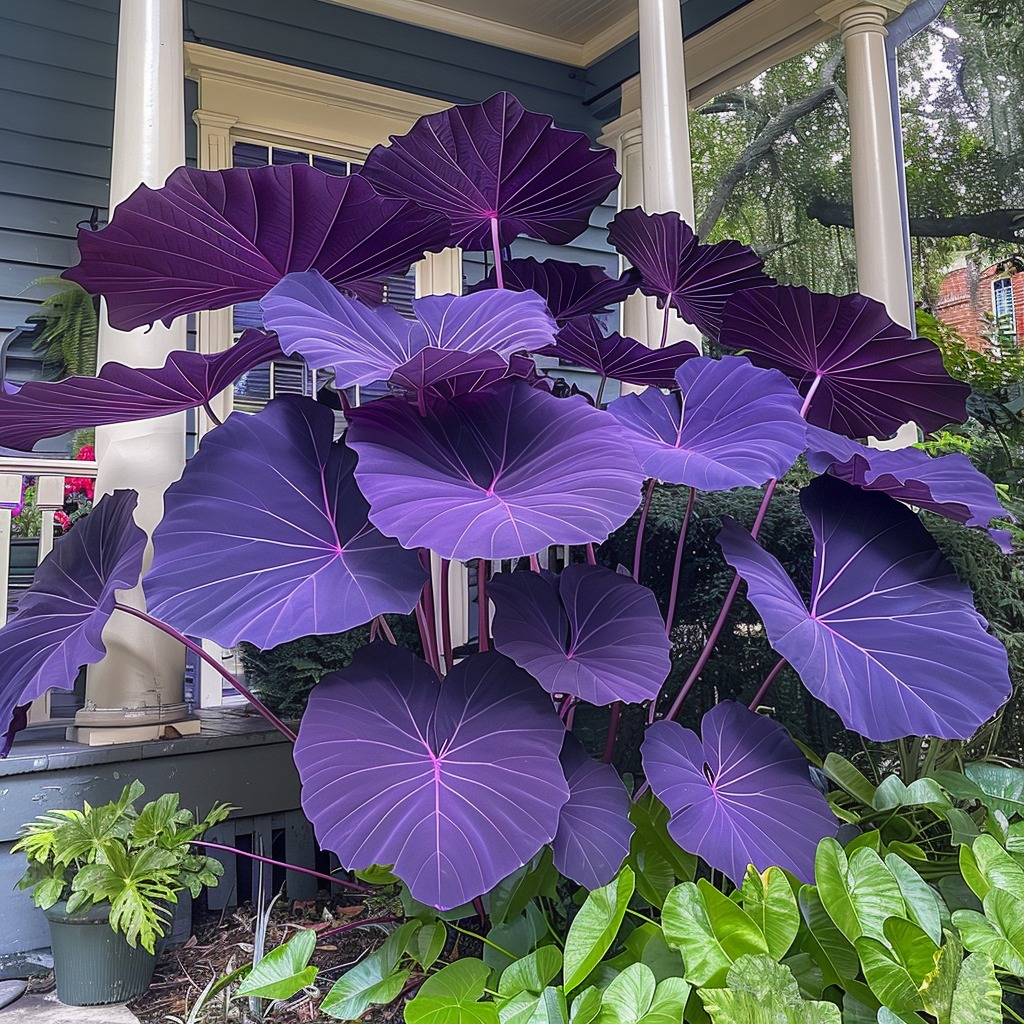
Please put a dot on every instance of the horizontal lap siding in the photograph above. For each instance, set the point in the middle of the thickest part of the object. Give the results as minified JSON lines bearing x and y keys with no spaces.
{"x":56,"y":124}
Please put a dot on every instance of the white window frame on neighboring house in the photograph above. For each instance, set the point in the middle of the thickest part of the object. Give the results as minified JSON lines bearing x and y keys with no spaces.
{"x":249,"y":99}
{"x":1006,"y":319}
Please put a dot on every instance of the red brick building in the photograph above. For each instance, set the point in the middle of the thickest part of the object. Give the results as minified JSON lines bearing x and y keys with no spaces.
{"x":973,"y":301}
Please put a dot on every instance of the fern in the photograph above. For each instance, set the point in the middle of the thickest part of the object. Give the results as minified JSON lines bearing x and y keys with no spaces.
{"x":68,"y":341}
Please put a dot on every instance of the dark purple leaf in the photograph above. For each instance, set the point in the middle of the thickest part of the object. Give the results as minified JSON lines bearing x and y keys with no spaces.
{"x":695,"y":279}
{"x":265,"y":537}
{"x":59,"y":623}
{"x":494,"y":474}
{"x":594,"y":829}
{"x":589,"y":632}
{"x":363,"y":345}
{"x":581,"y":341}
{"x":892,"y":641}
{"x":570,"y":289}
{"x":496,"y":162}
{"x":455,"y":784}
{"x":121,"y":393}
{"x":436,"y":373}
{"x":872,"y":374}
{"x":739,"y":794}
{"x":948,"y":485}
{"x":732,"y":425}
{"x":208,"y":239}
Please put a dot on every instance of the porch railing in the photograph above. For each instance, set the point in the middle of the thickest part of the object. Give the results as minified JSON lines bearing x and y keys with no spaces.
{"x":50,"y":476}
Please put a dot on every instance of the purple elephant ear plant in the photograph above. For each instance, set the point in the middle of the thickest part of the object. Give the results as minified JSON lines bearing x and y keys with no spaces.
{"x":458,"y":769}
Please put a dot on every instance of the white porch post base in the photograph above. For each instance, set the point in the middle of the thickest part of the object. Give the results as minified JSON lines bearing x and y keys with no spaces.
{"x":140,"y":682}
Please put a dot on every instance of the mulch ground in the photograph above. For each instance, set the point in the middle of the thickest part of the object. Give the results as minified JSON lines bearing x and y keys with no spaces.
{"x":223,"y":943}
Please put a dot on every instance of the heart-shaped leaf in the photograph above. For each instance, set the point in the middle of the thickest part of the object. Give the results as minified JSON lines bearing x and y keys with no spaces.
{"x":59,"y":623}
{"x":732,"y":425}
{"x":594,"y":829}
{"x":208,"y":239}
{"x":121,"y":393}
{"x":872,"y":375}
{"x":739,"y":794}
{"x":588,"y":631}
{"x":594,"y":928}
{"x":363,"y":344}
{"x":494,"y":474}
{"x":569,"y":289}
{"x":892,"y":641}
{"x":695,"y":279}
{"x":455,"y":785}
{"x":582,"y":342}
{"x":265,"y":536}
{"x":284,"y":971}
{"x":495,"y":169}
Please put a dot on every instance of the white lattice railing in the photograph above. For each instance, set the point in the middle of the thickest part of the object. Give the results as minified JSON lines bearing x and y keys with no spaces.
{"x":50,"y":475}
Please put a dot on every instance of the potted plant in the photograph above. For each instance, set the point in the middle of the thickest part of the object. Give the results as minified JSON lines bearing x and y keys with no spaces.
{"x":107,"y":879}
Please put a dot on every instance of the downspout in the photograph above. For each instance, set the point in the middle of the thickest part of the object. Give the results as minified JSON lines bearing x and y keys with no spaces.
{"x":917,"y":17}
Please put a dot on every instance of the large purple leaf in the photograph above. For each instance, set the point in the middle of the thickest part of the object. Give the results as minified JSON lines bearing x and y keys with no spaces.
{"x":948,"y":485}
{"x":570,"y":289}
{"x":739,"y":794}
{"x":581,"y":341}
{"x":589,"y":631}
{"x":436,"y":373}
{"x":732,"y":425}
{"x":208,"y":239}
{"x":121,"y":393}
{"x":455,"y":784}
{"x":872,"y":375}
{"x":494,"y":474}
{"x":697,"y":280}
{"x":495,"y":163}
{"x":265,"y":536}
{"x":594,"y":829}
{"x":59,"y":623}
{"x":892,"y":641}
{"x":363,"y":345}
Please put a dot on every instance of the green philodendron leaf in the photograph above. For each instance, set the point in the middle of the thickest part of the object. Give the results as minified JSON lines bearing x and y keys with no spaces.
{"x":923,"y":902}
{"x":829,"y":947}
{"x":999,"y":932}
{"x":450,"y":996}
{"x":516,"y":937}
{"x":650,"y":816}
{"x":859,"y":893}
{"x":49,"y":891}
{"x":963,"y":828}
{"x":628,"y":998}
{"x":669,"y":1002}
{"x":427,"y":943}
{"x":654,"y":874}
{"x":709,"y":930}
{"x":1003,"y":787}
{"x":550,"y":1008}
{"x":370,"y":983}
{"x":888,"y":979}
{"x":849,"y":778}
{"x":377,"y":874}
{"x":937,"y":987}
{"x":996,"y":867}
{"x":972,"y":873}
{"x":595,"y":927}
{"x":761,"y":991}
{"x":532,"y":973}
{"x":647,"y":945}
{"x":769,"y":900}
{"x":912,"y":946}
{"x":586,"y":1007}
{"x":978,"y":996}
{"x":509,"y":898}
{"x":890,"y":794}
{"x":284,"y":971}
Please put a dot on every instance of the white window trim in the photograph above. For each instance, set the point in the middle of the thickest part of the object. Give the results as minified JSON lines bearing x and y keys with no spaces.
{"x":1013,"y":306}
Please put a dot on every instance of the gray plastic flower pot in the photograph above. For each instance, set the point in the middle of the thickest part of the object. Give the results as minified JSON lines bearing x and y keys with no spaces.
{"x":93,"y":964}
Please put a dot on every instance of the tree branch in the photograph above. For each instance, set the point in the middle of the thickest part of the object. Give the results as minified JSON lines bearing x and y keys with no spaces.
{"x":1004,"y":225}
{"x":759,"y":148}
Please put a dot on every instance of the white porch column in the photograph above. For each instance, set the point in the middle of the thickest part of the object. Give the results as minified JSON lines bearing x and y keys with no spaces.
{"x":139,"y":683}
{"x":877,"y":216}
{"x":668,"y":178}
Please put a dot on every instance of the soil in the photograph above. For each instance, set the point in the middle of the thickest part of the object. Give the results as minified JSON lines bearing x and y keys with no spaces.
{"x":222,"y":943}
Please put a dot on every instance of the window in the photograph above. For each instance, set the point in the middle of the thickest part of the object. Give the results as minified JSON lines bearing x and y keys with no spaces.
{"x":1003,"y":311}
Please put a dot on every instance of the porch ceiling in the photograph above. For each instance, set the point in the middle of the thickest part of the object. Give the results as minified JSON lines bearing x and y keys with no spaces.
{"x":745,"y":33}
